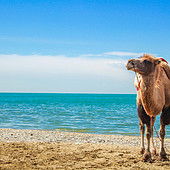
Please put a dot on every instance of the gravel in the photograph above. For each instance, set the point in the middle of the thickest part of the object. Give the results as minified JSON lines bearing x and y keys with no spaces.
{"x":12,"y":135}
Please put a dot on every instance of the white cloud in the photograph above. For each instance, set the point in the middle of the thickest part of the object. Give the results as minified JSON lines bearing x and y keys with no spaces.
{"x":92,"y":55}
{"x":38,"y":73}
{"x":117,"y":54}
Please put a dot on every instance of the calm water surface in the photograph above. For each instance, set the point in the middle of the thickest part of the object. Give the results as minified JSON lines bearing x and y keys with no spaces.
{"x":89,"y":113}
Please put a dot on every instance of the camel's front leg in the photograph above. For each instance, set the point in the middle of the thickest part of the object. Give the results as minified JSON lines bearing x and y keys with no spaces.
{"x":143,"y":119}
{"x":152,"y":142}
{"x":142,"y":131}
{"x":147,"y":154}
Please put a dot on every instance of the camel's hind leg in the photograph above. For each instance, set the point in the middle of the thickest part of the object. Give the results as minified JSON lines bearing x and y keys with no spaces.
{"x":164,"y":120}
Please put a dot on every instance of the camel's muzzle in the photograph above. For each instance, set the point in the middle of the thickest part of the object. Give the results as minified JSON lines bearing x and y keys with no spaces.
{"x":130,"y":64}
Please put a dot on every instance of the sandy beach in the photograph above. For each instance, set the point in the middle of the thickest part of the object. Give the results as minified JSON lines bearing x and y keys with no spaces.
{"x":35,"y":149}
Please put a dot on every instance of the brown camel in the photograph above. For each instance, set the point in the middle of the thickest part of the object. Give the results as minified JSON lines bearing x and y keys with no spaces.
{"x":153,"y":97}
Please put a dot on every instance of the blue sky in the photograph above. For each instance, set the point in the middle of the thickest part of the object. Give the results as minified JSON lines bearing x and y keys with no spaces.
{"x":78,"y":46}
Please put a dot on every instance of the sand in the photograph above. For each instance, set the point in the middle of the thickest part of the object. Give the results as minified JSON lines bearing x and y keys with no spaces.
{"x":33,"y":149}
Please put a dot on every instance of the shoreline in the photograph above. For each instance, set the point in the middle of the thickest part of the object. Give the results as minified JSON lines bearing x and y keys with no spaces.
{"x":45,"y":136}
{"x":37,"y":149}
{"x":19,"y":135}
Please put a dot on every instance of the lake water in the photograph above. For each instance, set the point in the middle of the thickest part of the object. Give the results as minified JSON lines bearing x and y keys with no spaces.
{"x":86,"y":113}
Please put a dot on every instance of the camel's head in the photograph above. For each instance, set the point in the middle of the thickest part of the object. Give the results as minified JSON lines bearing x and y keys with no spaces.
{"x":144,"y":65}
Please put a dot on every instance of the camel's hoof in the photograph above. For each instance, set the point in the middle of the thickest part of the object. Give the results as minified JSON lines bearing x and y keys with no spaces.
{"x":142,"y":151}
{"x":162,"y":155}
{"x":147,"y":157}
{"x":163,"y":158}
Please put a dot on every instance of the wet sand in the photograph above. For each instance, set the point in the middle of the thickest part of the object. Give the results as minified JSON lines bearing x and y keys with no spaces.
{"x":33,"y":149}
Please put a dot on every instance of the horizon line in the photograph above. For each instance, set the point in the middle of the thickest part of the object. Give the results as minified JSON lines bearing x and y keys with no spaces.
{"x":64,"y":92}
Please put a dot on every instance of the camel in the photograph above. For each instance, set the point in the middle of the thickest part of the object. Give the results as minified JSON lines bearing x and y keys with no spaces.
{"x":153,"y":98}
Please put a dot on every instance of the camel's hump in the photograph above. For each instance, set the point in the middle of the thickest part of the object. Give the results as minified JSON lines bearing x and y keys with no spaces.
{"x":166,"y":68}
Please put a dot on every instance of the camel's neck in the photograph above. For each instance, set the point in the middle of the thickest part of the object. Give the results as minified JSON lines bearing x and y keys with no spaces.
{"x":151,"y":94}
{"x":148,"y":83}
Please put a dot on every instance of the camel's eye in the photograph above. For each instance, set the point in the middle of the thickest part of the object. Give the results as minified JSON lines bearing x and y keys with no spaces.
{"x":147,"y":62}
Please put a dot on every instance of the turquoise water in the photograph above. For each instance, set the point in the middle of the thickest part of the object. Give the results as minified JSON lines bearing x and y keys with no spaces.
{"x":87,"y":113}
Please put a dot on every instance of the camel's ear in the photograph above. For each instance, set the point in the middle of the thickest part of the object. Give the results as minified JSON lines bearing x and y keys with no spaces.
{"x":158,"y":61}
